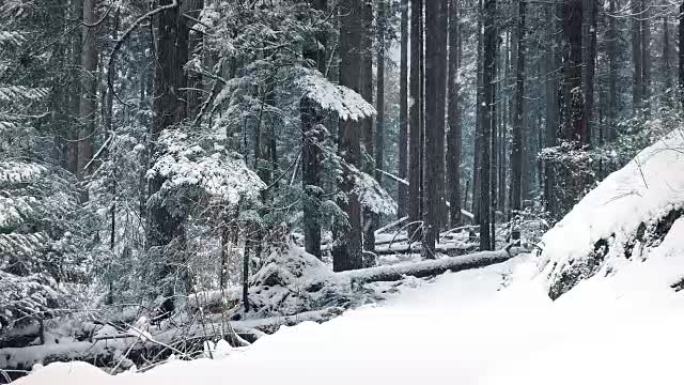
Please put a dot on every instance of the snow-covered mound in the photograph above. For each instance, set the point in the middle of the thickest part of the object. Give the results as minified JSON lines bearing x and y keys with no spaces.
{"x":623,"y":218}
{"x":293,"y":281}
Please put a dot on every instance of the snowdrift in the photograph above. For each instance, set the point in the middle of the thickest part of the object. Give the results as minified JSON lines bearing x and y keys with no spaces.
{"x":623,"y":219}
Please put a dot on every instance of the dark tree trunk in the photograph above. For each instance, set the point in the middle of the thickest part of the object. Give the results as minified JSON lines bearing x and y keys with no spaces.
{"x":646,"y":56}
{"x":574,"y":122}
{"x":380,"y":90}
{"x":667,"y":66}
{"x":169,"y":108}
{"x":313,"y":138}
{"x":589,"y":60}
{"x":196,"y":47}
{"x":613,"y":71}
{"x":403,"y":111}
{"x":503,"y":114}
{"x":72,"y":98}
{"x":366,"y":89}
{"x":454,"y":137}
{"x":519,"y":136}
{"x":486,"y":220}
{"x":570,"y":173}
{"x":477,"y":145}
{"x":636,"y":56}
{"x":312,"y":167}
{"x":415,"y":126}
{"x":641,"y":57}
{"x":553,"y":91}
{"x":347,"y":253}
{"x":435,"y":80}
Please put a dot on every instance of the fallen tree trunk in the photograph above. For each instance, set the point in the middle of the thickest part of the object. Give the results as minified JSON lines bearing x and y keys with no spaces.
{"x":430,"y":268}
{"x":139,"y":349}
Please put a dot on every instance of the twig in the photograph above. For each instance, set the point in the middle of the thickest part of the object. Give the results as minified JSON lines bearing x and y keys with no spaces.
{"x":392,"y":176}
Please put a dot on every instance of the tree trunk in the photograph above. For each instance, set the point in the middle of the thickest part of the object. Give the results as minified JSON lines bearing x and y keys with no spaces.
{"x":380,"y":90}
{"x":87,"y":110}
{"x":667,"y":66}
{"x":366,"y":90}
{"x":72,"y":98}
{"x":196,"y":48}
{"x":517,"y":147}
{"x":454,"y":137}
{"x":589,"y":60}
{"x":574,"y":123}
{"x":488,"y":100}
{"x":169,"y":108}
{"x":552,"y":103}
{"x":645,"y":29}
{"x":347,"y":254}
{"x":415,"y":126}
{"x":640,"y":56}
{"x":313,"y":138}
{"x":435,"y":66}
{"x":613,"y":71}
{"x":403,"y":111}
{"x":477,"y":145}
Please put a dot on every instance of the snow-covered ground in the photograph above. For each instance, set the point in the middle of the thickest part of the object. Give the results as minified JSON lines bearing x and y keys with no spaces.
{"x":487,"y":326}
{"x":620,"y":322}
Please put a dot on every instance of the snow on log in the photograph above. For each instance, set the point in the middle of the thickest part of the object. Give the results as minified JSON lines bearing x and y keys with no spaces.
{"x":430,"y":268}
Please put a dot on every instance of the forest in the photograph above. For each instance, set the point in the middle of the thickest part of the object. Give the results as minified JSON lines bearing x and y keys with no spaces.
{"x":180,"y":179}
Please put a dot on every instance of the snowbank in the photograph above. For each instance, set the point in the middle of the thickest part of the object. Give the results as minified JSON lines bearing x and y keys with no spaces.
{"x":625,"y":216}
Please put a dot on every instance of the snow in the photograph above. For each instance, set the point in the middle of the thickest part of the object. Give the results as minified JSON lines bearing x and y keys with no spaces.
{"x":486,"y":326}
{"x":494,"y":325}
{"x":333,"y":97}
{"x":644,"y":191}
{"x":372,"y":195}
{"x":221,"y":174}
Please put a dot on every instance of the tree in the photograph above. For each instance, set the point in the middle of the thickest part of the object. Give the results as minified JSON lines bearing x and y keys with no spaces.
{"x":574,"y":127}
{"x":88,"y":103}
{"x":381,"y":31}
{"x":517,"y":150}
{"x":641,"y":56}
{"x":435,"y":80}
{"x":403,"y":110}
{"x":169,"y":110}
{"x":415,"y":122}
{"x":613,"y":69}
{"x":369,"y":220}
{"x":313,"y":136}
{"x":455,"y":135}
{"x":589,"y":59}
{"x":486,"y":218}
{"x":347,"y":253}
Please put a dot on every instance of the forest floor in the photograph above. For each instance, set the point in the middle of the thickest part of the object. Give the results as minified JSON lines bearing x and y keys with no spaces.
{"x":494,"y":325}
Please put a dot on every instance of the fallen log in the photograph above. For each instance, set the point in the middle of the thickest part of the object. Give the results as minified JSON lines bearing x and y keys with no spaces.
{"x":107,"y":351}
{"x":430,"y":268}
